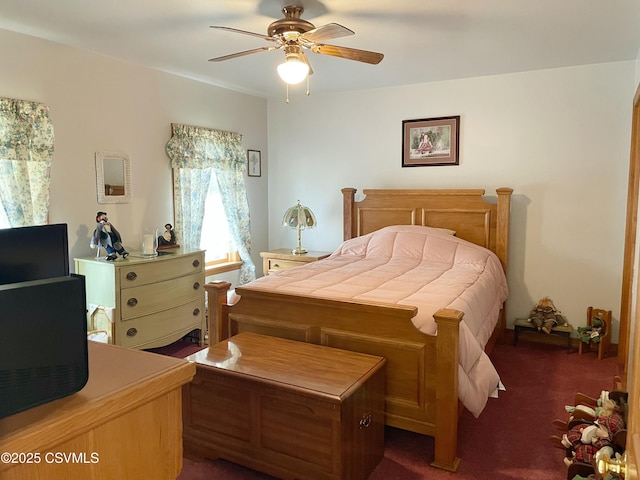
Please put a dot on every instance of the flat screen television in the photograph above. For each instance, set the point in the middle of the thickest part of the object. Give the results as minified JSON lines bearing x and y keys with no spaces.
{"x":33,"y":253}
{"x":43,"y":319}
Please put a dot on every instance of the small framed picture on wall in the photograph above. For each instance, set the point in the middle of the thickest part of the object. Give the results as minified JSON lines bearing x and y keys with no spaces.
{"x":254,"y":163}
{"x":430,"y":141}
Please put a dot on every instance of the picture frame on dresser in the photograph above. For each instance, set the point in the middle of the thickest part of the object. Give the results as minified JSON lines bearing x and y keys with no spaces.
{"x":431,"y":141}
{"x":254,"y":163}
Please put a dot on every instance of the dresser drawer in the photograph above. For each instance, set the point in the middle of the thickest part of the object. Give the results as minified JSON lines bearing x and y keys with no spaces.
{"x":144,"y":330}
{"x":147,"y":299}
{"x":159,"y":270}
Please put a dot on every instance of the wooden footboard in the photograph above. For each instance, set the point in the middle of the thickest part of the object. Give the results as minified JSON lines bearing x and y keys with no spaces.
{"x":422,"y":370}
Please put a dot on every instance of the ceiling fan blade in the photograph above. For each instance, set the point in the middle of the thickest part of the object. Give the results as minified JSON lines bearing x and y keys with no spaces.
{"x":305,"y":59}
{"x":326,"y":32}
{"x":348,"y":53}
{"x":242,"y":54}
{"x":244,"y":32}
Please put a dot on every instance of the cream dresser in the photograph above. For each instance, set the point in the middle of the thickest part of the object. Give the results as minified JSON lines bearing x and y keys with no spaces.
{"x":154,"y":301}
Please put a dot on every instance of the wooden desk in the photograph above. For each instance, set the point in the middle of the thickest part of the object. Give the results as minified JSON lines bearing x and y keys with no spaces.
{"x":125,"y":423}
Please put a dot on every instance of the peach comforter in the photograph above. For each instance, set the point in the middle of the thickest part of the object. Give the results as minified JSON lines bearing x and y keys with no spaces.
{"x":422,"y":267}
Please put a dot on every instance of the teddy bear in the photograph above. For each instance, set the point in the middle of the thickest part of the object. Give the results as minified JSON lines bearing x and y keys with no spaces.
{"x":593,"y":332}
{"x":545,"y":315}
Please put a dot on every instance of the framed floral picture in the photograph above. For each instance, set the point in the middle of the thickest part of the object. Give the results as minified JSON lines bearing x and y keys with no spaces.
{"x":431,"y":141}
{"x":254,"y":163}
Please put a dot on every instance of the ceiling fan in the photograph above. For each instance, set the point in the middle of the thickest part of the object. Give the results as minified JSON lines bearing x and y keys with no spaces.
{"x":295,"y":35}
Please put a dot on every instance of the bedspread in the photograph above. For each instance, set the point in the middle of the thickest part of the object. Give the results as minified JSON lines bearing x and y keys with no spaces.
{"x":422,"y":267}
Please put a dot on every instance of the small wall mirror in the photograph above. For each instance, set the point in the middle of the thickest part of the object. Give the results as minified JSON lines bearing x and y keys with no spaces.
{"x":113,"y":177}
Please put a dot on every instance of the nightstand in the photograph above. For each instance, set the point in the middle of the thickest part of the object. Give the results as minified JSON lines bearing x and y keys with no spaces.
{"x":283,"y":259}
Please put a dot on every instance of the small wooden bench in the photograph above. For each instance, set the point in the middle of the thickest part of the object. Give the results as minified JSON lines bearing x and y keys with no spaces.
{"x":523,"y":324}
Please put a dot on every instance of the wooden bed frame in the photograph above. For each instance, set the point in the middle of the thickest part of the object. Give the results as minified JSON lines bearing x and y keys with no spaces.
{"x":422,"y":370}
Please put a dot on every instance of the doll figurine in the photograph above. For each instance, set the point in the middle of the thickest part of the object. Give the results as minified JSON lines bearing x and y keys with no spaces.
{"x":168,"y":237}
{"x":544,"y":315}
{"x":106,"y":236}
{"x":584,"y":440}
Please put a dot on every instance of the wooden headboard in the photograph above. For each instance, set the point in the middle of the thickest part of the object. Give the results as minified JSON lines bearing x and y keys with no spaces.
{"x":463,"y":210}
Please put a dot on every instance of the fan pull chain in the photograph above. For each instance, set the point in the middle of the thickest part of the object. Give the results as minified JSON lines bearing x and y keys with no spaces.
{"x":287,"y":92}
{"x":308,"y":85}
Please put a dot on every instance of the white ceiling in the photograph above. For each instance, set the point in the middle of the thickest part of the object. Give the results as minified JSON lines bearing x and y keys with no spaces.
{"x":422,"y":40}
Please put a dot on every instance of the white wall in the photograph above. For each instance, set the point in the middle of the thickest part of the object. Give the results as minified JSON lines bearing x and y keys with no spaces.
{"x":101,"y":104}
{"x":560,"y":138}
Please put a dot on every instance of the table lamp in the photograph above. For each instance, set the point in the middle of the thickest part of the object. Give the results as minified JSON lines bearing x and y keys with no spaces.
{"x":298,"y":218}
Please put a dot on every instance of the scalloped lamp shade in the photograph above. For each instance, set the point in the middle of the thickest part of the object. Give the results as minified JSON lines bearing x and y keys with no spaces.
{"x":298,"y":218}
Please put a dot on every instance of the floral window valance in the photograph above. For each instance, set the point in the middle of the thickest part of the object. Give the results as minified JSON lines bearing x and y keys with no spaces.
{"x":198,"y":147}
{"x":26,"y":132}
{"x":26,"y":153}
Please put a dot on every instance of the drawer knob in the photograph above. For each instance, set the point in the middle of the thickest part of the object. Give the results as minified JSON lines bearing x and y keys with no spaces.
{"x":365,"y":421}
{"x":196,"y":312}
{"x":131,"y":276}
{"x":196,"y":285}
{"x":132,"y":302}
{"x":196,"y":263}
{"x":132,"y":332}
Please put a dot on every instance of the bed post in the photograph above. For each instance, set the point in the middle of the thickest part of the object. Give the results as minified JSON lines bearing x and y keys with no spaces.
{"x":216,"y":299}
{"x":502,"y":227}
{"x":447,"y":404}
{"x":348,"y":215}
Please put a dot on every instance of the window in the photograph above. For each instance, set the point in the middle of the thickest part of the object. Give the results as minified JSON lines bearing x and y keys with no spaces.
{"x":221,"y":254}
{"x":208,"y":169}
{"x":4,"y":221}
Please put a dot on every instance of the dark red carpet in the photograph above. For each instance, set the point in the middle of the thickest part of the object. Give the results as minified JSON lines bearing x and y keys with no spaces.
{"x":179,"y":349}
{"x":510,"y":440}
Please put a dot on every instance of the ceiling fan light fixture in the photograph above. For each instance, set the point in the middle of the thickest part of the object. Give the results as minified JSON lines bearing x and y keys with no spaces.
{"x":293,"y":70}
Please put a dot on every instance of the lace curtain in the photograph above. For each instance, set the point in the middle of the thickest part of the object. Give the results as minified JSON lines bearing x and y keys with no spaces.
{"x":26,"y":152}
{"x":194,"y":153}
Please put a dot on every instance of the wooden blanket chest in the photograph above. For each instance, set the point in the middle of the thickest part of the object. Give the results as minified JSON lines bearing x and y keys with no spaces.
{"x":289,"y":409}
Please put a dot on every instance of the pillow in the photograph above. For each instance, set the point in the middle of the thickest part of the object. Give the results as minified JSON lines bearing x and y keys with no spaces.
{"x":445,"y":230}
